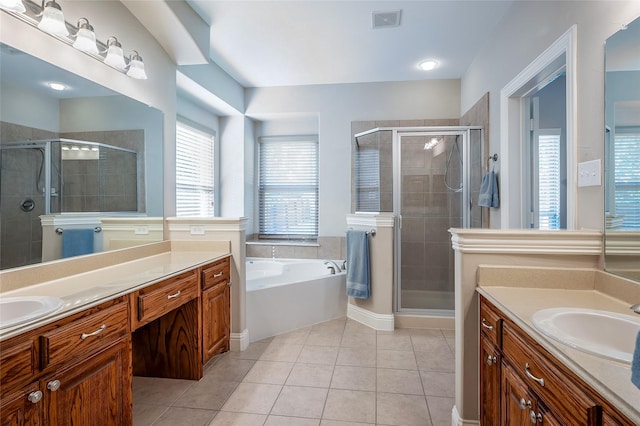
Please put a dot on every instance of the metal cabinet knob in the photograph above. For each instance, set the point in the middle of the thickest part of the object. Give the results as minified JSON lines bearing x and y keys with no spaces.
{"x":491,"y":359}
{"x":35,"y":397}
{"x":524,"y":404}
{"x":53,"y":385}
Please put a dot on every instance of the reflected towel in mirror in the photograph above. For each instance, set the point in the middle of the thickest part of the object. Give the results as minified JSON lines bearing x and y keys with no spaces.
{"x":488,"y":196}
{"x":76,"y":242}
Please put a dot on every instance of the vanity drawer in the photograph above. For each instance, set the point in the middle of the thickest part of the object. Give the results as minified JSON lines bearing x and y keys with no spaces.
{"x":545,"y":379}
{"x":85,"y":335}
{"x":154,"y":301}
{"x":17,"y":363}
{"x":490,"y":323}
{"x":215,"y":273}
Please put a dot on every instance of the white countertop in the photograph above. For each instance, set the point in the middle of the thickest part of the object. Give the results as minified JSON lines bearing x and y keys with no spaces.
{"x":82,"y":291}
{"x":609,"y":378}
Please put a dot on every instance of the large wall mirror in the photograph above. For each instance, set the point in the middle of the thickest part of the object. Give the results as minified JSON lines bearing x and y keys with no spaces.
{"x":75,"y":156}
{"x":622,"y":152}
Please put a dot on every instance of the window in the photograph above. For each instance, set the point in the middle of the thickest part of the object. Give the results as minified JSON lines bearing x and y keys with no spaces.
{"x":288,"y":188}
{"x":549,"y":180}
{"x":367,"y":179}
{"x":627,"y":176}
{"x":194,"y":171}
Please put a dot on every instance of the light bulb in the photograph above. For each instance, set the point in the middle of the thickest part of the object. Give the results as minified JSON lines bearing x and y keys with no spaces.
{"x":136,"y":67}
{"x":85,"y":37}
{"x":52,"y":21}
{"x":12,"y":6}
{"x":115,"y":55}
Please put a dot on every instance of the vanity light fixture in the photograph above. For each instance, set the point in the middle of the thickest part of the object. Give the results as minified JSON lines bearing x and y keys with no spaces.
{"x":13,"y":5}
{"x":115,"y":55}
{"x":136,"y":66}
{"x":431,"y":144}
{"x":52,"y":21}
{"x":85,"y":37}
{"x":428,"y":65}
{"x":48,"y":17}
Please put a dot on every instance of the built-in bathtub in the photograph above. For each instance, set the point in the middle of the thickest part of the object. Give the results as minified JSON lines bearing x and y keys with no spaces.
{"x":287,"y":294}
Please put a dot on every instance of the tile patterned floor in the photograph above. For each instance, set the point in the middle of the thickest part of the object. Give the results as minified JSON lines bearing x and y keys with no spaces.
{"x":337,"y":373}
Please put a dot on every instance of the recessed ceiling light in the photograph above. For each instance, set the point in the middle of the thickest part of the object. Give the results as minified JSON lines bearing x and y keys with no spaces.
{"x":428,"y":65}
{"x":56,"y":86}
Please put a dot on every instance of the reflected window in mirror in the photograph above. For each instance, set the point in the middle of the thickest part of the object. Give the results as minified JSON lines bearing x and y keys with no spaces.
{"x":622,"y":152}
{"x":195,"y":170}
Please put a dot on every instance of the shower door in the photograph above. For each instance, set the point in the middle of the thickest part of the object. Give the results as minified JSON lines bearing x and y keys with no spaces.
{"x":432,"y":194}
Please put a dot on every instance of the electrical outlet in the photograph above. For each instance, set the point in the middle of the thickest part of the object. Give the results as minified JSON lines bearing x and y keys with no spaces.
{"x":589,"y":173}
{"x":141,"y":230}
{"x":197,"y":230}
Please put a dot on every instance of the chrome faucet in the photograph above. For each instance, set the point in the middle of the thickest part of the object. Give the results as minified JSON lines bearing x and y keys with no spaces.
{"x":333,"y":266}
{"x":635,"y":308}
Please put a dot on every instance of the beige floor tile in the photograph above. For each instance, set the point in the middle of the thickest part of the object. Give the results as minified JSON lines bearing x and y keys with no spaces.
{"x":394,"y":342}
{"x":350,"y":405}
{"x":440,"y":410}
{"x":355,"y":339}
{"x":296,"y":337}
{"x":402,"y":360}
{"x":406,"y":410}
{"x":146,"y":414}
{"x":314,"y":375}
{"x":158,"y":391}
{"x":286,"y":352}
{"x":272,"y":372}
{"x":334,"y":324}
{"x":185,"y":416}
{"x":256,"y":398}
{"x":291,"y":421}
{"x":429,"y":343}
{"x":206,"y":394}
{"x":229,"y":369}
{"x":354,"y":378}
{"x":318,"y":355}
{"x":357,"y":357}
{"x":238,"y":419}
{"x":442,"y":360}
{"x":300,"y":402}
{"x":253,"y":351}
{"x":399,"y":381}
{"x":341,"y":423}
{"x":437,"y":383}
{"x":356,"y":327}
{"x":325,"y":337}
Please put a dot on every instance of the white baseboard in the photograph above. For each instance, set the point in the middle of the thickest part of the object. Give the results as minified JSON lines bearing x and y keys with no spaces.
{"x":376,"y":321}
{"x":456,"y":420}
{"x":239,"y":341}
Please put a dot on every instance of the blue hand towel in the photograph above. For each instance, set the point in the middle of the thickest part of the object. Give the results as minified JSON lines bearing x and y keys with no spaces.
{"x":358,"y":276}
{"x":635,"y":364}
{"x":76,"y":242}
{"x":488,"y":196}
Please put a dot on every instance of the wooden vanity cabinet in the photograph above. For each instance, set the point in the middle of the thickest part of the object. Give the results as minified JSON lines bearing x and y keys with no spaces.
{"x":80,"y":372}
{"x":531,"y":386}
{"x":216,"y":308}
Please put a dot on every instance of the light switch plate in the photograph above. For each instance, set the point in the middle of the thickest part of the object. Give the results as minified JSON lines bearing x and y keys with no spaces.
{"x":589,"y":173}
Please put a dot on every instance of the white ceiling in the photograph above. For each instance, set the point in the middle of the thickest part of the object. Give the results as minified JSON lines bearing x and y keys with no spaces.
{"x":301,"y":42}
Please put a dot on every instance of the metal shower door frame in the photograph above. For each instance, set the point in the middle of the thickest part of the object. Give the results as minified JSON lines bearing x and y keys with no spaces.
{"x":46,"y":144}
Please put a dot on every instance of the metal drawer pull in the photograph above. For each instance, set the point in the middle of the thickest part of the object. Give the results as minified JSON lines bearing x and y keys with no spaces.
{"x":173,"y":296}
{"x":53,"y":385}
{"x":35,"y":397}
{"x":487,"y":326}
{"x":98,"y":331}
{"x":491,"y":359}
{"x":531,"y":376}
{"x":219,"y":274}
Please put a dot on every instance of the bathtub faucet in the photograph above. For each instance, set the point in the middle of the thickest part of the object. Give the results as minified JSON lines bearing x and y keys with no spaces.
{"x":333,"y":266}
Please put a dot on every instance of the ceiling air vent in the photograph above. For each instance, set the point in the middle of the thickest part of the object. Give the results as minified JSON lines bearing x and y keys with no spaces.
{"x":386,"y":19}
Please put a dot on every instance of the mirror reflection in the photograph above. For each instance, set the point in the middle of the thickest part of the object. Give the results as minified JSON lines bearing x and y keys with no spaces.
{"x":74,"y":156}
{"x":622,"y":152}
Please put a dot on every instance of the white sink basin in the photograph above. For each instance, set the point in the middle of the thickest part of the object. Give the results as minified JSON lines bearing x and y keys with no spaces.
{"x":606,"y":334}
{"x":18,"y":310}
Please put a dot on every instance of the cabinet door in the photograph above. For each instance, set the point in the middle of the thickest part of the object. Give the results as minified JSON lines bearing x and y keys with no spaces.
{"x":95,"y":391}
{"x":516,"y":402}
{"x":490,"y":361}
{"x":21,"y":408}
{"x":216,"y":315}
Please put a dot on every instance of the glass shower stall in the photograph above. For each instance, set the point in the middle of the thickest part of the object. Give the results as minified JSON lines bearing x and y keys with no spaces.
{"x":429,"y":177}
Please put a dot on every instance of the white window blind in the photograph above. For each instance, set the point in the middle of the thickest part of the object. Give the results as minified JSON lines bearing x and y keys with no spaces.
{"x":288,"y":188}
{"x":549,"y":181}
{"x":194,"y":171}
{"x":368,"y":180}
{"x":627,"y":177}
